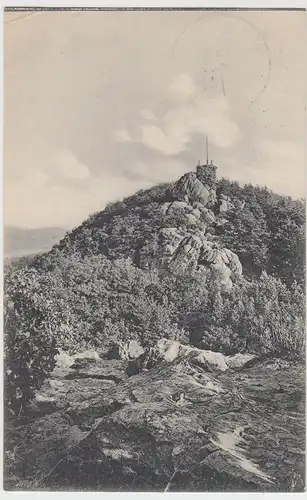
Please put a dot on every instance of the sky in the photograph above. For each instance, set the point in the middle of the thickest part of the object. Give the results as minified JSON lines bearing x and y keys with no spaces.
{"x":100,"y":104}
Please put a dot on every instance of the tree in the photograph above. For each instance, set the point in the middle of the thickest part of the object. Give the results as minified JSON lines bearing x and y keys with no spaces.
{"x":245,"y":233}
{"x":29,"y":346}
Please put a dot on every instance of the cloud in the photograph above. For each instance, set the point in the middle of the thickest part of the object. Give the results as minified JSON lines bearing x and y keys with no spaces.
{"x":278,"y":165}
{"x":122,"y":135}
{"x":182,"y":88}
{"x":67,"y":164}
{"x":34,"y":201}
{"x":153,"y":137}
{"x":148,"y":115}
{"x":165,"y":170}
{"x":281,"y":164}
{"x":191,"y":112}
{"x":286,"y":151}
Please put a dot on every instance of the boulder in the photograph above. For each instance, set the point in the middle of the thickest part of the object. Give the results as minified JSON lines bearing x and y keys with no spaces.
{"x":157,"y":252}
{"x":37,"y":448}
{"x":210,"y":253}
{"x":170,"y":350}
{"x":134,"y":349}
{"x":206,"y":214}
{"x":239,"y":204}
{"x":212,"y":198}
{"x":125,"y":350}
{"x":188,"y":188}
{"x":180,"y":206}
{"x":222,"y":261}
{"x":185,"y":257}
{"x":57,"y":394}
{"x":170,"y":235}
{"x":164,"y":208}
{"x":211,"y":361}
{"x":184,"y":250}
{"x":90,"y":354}
{"x":233,"y":262}
{"x":222,"y":273}
{"x":64,"y":361}
{"x":239,"y":360}
{"x":225,"y":204}
{"x":176,"y":206}
{"x":192,"y":219}
{"x":196,"y":212}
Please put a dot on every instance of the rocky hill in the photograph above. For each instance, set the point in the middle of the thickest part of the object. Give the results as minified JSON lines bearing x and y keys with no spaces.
{"x":160,"y":346}
{"x":199,"y":222}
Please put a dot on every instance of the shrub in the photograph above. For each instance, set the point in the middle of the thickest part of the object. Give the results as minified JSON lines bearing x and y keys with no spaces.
{"x":261,"y":316}
{"x":29,"y":346}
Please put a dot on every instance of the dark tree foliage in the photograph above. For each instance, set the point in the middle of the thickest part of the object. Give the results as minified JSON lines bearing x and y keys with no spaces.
{"x":269,"y":234}
{"x":160,"y":193}
{"x":30,"y":328}
{"x":260,"y":316}
{"x":246,"y":233}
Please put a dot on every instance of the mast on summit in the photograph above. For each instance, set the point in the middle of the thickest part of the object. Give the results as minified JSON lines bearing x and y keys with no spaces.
{"x":207,"y":155}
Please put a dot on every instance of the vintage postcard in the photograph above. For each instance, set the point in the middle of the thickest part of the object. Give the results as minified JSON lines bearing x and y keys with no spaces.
{"x":154,"y":250}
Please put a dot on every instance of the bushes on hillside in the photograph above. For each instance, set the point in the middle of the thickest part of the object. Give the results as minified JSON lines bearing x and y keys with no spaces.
{"x":88,"y":303}
{"x":261,"y":316}
{"x":269,"y":234}
{"x":29,"y":338}
{"x":159,"y":193}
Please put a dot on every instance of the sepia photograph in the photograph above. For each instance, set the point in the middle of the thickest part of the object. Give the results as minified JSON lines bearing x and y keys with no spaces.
{"x":154,"y":165}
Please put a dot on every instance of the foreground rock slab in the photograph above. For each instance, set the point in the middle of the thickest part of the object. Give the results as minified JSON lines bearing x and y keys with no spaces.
{"x":175,"y":427}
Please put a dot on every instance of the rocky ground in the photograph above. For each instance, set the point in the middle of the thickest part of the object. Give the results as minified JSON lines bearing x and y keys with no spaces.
{"x":194,"y":421}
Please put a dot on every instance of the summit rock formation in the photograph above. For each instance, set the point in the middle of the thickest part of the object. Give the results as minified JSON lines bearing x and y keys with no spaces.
{"x":189,"y":248}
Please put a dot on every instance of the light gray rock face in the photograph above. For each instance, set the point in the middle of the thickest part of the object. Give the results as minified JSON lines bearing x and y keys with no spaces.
{"x":185,"y":257}
{"x":131,"y":349}
{"x":192,"y":219}
{"x":183,"y":251}
{"x":169,"y":350}
{"x":157,"y":253}
{"x":223,"y":261}
{"x":233,"y":262}
{"x":206,"y":214}
{"x":176,"y":207}
{"x":207,"y":421}
{"x":225,"y":204}
{"x":190,"y":189}
{"x":192,"y":213}
{"x":197,"y":188}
